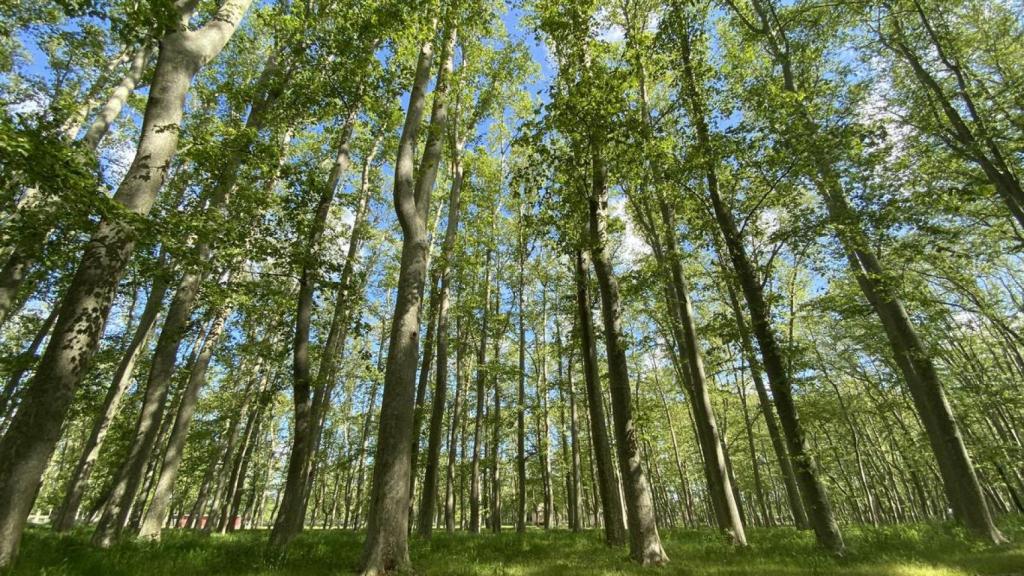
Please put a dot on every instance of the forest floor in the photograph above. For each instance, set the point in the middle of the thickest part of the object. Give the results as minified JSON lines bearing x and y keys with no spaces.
{"x":915,"y":550}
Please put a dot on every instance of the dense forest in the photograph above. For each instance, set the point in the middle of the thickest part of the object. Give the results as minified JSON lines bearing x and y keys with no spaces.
{"x":625,"y":279}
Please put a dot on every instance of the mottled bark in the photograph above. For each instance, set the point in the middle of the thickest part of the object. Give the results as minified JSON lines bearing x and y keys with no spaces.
{"x":34,"y":432}
{"x":79,"y":480}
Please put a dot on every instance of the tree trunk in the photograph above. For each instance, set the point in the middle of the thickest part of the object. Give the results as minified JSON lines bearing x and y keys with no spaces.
{"x":543,"y":438}
{"x":456,"y":417}
{"x":176,"y":322}
{"x":816,"y":501}
{"x":644,"y":541}
{"x":521,"y":397}
{"x":575,"y":478}
{"x":154,"y":517}
{"x":65,"y":519}
{"x":34,"y":431}
{"x":292,"y":511}
{"x":429,"y":496}
{"x":386,"y":548}
{"x":796,"y":504}
{"x":111,"y":109}
{"x":608,"y":488}
{"x":481,"y":381}
{"x":495,"y":511}
{"x":959,"y":479}
{"x":762,"y":505}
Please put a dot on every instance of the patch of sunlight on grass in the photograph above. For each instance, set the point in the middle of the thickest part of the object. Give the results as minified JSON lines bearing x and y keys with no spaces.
{"x":920,"y":570}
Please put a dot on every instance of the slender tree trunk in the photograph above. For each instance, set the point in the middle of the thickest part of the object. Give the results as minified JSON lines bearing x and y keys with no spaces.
{"x":65,"y":519}
{"x":108,"y":529}
{"x":153,"y":519}
{"x":481,"y":381}
{"x":721,"y":487}
{"x":680,"y":467}
{"x":748,"y":425}
{"x":292,"y":511}
{"x":521,"y":397}
{"x":543,"y":437}
{"x":575,"y":477}
{"x":644,"y":541}
{"x":236,"y":475}
{"x":796,"y":504}
{"x":346,"y":301}
{"x":495,"y":510}
{"x":461,"y":381}
{"x":111,"y":109}
{"x":614,"y":527}
{"x":34,"y":431}
{"x":816,"y":502}
{"x":959,"y":478}
{"x":386,"y":548}
{"x":429,"y":496}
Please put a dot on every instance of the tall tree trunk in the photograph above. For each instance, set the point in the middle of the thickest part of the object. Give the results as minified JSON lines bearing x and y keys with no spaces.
{"x":543,"y":437}
{"x":494,"y":514}
{"x":521,"y":376}
{"x":762,"y":505}
{"x":426,"y":518}
{"x":386,"y":548}
{"x":575,"y":477}
{"x":292,"y":511}
{"x":644,"y":541}
{"x":608,"y":488}
{"x":720,"y":486}
{"x":816,"y":502}
{"x":461,"y":381}
{"x":796,"y":504}
{"x":232,"y":489}
{"x":346,"y":302}
{"x":680,"y":467}
{"x":34,"y":431}
{"x":959,"y":478}
{"x":65,"y":519}
{"x":179,"y":312}
{"x":481,"y":382}
{"x":154,"y":517}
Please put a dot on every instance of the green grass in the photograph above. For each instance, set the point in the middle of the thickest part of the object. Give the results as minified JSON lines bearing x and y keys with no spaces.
{"x":918,"y":550}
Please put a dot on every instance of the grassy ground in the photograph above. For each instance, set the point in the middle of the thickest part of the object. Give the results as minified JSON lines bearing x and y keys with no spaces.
{"x":921,"y":550}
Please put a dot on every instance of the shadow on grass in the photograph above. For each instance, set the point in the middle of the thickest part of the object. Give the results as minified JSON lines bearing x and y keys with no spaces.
{"x":916,"y":550}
